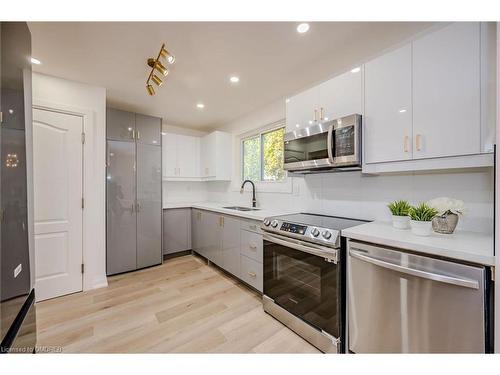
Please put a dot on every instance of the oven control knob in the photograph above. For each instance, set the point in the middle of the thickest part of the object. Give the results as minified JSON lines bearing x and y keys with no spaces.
{"x":274,"y":223}
{"x":315,"y":232}
{"x":326,"y":235}
{"x":267,"y":222}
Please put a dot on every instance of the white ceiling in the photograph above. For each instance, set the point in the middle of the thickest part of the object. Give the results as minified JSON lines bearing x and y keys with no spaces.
{"x":271,"y":59}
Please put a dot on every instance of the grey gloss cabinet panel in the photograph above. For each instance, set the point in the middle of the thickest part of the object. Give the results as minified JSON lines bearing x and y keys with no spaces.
{"x":148,"y":129}
{"x":176,"y":230}
{"x":231,"y":245}
{"x":149,"y":205}
{"x":196,"y":240}
{"x":120,"y":125}
{"x":252,"y":272}
{"x":211,"y":236}
{"x":120,"y":208}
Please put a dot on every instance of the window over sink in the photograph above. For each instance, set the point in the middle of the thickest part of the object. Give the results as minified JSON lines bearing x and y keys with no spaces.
{"x":262,"y":156}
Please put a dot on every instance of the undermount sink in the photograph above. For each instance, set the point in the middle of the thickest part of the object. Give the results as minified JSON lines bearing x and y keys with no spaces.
{"x":238,"y":208}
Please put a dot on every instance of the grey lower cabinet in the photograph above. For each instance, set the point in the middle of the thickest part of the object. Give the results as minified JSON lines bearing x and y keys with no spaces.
{"x":232,"y":243}
{"x":176,"y":230}
{"x":133,"y":195}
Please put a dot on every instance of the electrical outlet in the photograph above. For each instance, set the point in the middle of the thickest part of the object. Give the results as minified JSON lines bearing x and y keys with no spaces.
{"x":18,"y":270}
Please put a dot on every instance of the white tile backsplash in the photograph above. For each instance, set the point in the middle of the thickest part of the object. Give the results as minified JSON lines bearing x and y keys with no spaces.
{"x":360,"y":196}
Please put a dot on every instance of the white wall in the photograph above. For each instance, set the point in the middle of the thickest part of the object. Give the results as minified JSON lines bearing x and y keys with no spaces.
{"x":58,"y":93}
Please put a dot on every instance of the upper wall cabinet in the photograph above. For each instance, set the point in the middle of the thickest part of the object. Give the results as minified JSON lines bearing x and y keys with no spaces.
{"x":120,"y":125}
{"x":181,"y":157}
{"x":189,"y":158}
{"x":216,"y":156}
{"x":148,"y":129}
{"x":431,"y":104}
{"x":388,"y":108}
{"x":337,"y":97}
{"x":446,"y":92}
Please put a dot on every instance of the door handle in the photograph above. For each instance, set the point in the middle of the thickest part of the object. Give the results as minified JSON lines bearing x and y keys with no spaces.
{"x":473,"y":284}
{"x":418,"y":142}
{"x":138,"y":134}
{"x":133,"y":134}
{"x":405,"y":143}
{"x":330,"y":144}
{"x":132,"y":209}
{"x":321,"y":110}
{"x":137,"y":207}
{"x":315,"y":115}
{"x":323,"y":252}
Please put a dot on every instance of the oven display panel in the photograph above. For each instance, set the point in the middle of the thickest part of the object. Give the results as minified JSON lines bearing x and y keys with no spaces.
{"x":293,"y":228}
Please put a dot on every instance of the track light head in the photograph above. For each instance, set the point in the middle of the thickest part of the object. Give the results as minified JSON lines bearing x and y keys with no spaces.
{"x":164,"y":53}
{"x":151,"y":90}
{"x":156,"y":80}
{"x":161,"y":68}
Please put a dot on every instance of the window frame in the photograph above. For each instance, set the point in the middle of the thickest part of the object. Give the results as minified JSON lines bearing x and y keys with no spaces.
{"x":259,"y":133}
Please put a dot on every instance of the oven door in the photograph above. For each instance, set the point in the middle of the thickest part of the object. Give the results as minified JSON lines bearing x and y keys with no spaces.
{"x":304,"y":279}
{"x":308,"y":148}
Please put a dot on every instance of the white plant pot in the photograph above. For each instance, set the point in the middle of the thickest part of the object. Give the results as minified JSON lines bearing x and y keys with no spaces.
{"x":400,"y":222}
{"x":421,"y":228}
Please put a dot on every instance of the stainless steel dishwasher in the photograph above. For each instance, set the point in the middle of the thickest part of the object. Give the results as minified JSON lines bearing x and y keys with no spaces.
{"x":399,"y":302}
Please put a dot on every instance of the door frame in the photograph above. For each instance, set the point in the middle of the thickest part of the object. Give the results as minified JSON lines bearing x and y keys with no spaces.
{"x":88,"y":118}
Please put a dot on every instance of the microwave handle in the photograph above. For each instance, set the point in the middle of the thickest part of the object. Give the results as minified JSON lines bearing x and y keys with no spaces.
{"x":330,"y":143}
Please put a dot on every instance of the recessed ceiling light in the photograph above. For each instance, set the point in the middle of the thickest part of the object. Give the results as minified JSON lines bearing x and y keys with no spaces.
{"x":200,"y":105}
{"x":35,"y":61}
{"x":234,"y":79}
{"x":303,"y":28}
{"x":356,"y":70}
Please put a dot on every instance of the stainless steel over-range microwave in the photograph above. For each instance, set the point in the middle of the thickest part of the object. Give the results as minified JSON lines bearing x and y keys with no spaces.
{"x":327,"y":146}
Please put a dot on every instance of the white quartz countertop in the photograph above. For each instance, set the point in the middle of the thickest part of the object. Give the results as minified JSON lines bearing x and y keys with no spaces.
{"x":466,"y":246}
{"x":259,"y":214}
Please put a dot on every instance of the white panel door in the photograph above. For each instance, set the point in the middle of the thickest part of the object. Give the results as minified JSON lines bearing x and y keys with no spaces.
{"x":169,"y":155}
{"x":341,"y":96}
{"x":446,"y":92}
{"x":387,"y":121}
{"x":57,"y":166}
{"x":188,"y":156}
{"x":300,"y":109}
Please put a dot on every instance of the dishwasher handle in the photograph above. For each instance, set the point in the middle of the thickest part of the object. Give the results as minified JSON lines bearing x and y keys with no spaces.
{"x":473,"y":284}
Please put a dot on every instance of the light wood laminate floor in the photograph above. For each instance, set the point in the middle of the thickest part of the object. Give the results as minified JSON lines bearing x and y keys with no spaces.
{"x":182,"y":306}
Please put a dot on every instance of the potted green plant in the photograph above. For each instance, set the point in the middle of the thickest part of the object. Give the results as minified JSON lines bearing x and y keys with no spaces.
{"x":400,"y":210}
{"x":449,"y":211}
{"x":421,"y":219}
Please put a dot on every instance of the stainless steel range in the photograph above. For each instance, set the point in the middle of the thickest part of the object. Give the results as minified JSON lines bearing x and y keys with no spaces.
{"x":304,"y":276}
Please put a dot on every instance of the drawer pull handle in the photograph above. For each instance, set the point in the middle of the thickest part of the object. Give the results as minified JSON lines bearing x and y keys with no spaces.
{"x":253,"y":227}
{"x":252,"y":246}
{"x":252,"y":274}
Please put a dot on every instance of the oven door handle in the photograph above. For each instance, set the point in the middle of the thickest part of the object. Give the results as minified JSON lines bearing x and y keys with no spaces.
{"x":330,"y":144}
{"x":330,"y":255}
{"x":473,"y":284}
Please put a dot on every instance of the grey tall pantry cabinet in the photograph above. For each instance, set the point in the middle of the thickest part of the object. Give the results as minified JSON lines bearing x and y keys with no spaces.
{"x":133,"y":191}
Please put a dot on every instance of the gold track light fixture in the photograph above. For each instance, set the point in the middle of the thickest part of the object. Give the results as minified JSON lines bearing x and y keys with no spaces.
{"x":157,"y":67}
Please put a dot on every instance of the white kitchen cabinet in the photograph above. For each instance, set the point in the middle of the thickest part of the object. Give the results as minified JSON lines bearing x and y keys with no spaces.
{"x":215,"y":156}
{"x":176,"y":230}
{"x":337,"y":97}
{"x":181,"y":157}
{"x":302,"y":109}
{"x":342,"y":95}
{"x":446,"y":92}
{"x":387,"y":121}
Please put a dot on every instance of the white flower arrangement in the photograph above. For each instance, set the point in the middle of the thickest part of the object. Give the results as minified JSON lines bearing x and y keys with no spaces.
{"x":445,"y":205}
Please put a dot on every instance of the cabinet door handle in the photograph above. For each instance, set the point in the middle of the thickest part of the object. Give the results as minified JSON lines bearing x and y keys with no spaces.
{"x":133,"y":134}
{"x":138,"y":134}
{"x":315,"y":115}
{"x":252,"y":274}
{"x":405,"y":143}
{"x":132,"y":209}
{"x":418,"y":142}
{"x":321,"y":117}
{"x":137,"y":207}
